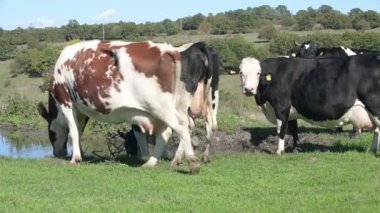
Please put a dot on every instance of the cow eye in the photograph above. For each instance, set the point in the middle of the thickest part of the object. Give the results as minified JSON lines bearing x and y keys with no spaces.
{"x":258,"y":73}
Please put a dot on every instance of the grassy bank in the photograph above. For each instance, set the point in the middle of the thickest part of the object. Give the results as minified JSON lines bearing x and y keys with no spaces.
{"x":307,"y":182}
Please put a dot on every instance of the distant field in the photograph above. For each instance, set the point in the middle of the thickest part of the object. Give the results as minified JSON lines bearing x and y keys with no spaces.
{"x":188,"y":37}
{"x":21,"y":85}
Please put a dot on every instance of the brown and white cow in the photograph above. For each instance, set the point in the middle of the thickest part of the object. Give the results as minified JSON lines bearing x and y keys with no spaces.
{"x":115,"y":82}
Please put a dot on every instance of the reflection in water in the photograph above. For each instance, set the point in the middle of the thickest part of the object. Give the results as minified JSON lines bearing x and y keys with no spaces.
{"x":24,"y":146}
{"x":35,"y":144}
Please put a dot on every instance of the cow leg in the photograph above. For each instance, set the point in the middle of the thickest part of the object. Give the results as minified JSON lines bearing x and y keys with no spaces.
{"x":293,"y":128}
{"x":282,"y":115}
{"x":375,"y":142}
{"x":141,"y":139}
{"x":73,"y":133}
{"x":376,"y":133}
{"x":185,"y":144}
{"x":209,"y":136}
{"x":281,"y":129}
{"x":179,"y":122}
{"x":82,"y":122}
{"x":159,"y":148}
{"x":177,"y":160}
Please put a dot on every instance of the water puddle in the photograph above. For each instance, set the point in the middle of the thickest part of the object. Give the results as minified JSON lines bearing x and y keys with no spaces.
{"x":35,"y":144}
{"x":24,"y":145}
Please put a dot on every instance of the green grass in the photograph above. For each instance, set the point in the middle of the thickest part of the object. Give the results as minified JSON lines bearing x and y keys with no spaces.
{"x":247,"y":182}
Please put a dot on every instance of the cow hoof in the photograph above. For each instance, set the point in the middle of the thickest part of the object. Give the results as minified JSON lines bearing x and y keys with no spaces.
{"x":151,"y":163}
{"x":279,"y":152}
{"x":297,"y":149}
{"x":193,"y":164}
{"x":374,"y":151}
{"x":354,"y":135}
{"x":76,"y":160}
{"x":205,"y":159}
{"x":176,"y":161}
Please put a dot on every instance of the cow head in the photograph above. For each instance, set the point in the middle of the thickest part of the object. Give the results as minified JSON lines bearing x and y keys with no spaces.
{"x":306,"y":49}
{"x":250,"y":71}
{"x":57,"y":128}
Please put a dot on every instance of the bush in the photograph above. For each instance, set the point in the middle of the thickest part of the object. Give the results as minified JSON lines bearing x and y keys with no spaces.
{"x":7,"y":51}
{"x":283,"y":42}
{"x":18,"y":111}
{"x":267,"y":32}
{"x":370,"y":40}
{"x":35,"y":62}
{"x":233,"y":50}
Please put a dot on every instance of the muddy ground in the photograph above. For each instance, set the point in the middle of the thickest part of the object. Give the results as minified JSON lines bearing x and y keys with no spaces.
{"x":258,"y":139}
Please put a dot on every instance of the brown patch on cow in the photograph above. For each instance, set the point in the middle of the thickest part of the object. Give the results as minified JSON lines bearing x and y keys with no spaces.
{"x":61,"y":94}
{"x":95,"y":72}
{"x":151,"y":62}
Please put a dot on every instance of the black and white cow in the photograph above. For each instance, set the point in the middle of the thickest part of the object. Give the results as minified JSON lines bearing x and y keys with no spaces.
{"x":138,"y":82}
{"x":360,"y":119}
{"x":310,"y":50}
{"x":319,"y":90}
{"x":194,"y":58}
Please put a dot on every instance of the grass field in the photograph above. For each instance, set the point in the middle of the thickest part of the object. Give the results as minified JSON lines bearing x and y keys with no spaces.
{"x":244,"y":182}
{"x":21,"y":85}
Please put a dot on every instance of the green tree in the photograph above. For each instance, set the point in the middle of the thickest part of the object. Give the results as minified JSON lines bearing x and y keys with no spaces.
{"x":35,"y":62}
{"x":7,"y":51}
{"x":222,"y":26}
{"x":373,"y":18}
{"x":304,"y":20}
{"x":170,"y":27}
{"x":72,"y":29}
{"x":130,"y":30}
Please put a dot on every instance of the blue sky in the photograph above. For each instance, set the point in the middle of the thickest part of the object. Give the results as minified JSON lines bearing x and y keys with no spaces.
{"x":42,"y":13}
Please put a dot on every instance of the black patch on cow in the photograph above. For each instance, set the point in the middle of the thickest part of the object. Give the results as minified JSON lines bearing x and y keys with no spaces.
{"x":194,"y":68}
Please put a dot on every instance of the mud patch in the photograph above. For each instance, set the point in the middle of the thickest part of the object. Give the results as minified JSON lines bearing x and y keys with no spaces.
{"x":258,"y":139}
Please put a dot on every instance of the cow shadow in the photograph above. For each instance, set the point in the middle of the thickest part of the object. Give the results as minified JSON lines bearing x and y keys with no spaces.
{"x":312,"y":139}
{"x":131,"y":161}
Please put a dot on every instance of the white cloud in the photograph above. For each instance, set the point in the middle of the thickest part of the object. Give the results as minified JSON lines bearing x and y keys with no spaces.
{"x":105,"y":15}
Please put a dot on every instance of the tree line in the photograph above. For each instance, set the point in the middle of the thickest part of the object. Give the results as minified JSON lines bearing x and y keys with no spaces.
{"x":235,"y":21}
{"x":35,"y":50}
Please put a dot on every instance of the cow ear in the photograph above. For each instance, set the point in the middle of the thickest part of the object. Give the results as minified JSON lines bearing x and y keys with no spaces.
{"x":266,"y":78}
{"x":43,"y":111}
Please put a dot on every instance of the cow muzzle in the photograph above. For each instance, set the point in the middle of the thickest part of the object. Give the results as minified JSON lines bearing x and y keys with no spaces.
{"x":249,"y":91}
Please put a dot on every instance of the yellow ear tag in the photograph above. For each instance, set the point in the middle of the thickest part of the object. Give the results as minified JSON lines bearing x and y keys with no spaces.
{"x":293,"y":55}
{"x":321,"y":53}
{"x":268,"y":77}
